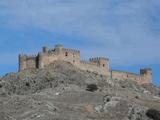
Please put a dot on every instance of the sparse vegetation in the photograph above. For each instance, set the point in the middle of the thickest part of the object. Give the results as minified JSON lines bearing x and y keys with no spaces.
{"x":92,"y":87}
{"x":27,"y":84}
{"x":153,"y":114}
{"x":60,"y":91}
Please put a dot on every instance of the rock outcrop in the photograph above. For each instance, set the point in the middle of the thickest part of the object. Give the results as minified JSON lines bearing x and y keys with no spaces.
{"x":64,"y":92}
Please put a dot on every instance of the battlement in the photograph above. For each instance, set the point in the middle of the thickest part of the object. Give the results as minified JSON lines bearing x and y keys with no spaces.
{"x":25,"y":55}
{"x":22,"y":55}
{"x":145,"y":71}
{"x":98,"y":59}
{"x":85,"y":62}
{"x":71,"y":50}
{"x":99,"y":65}
{"x":32,"y":56}
{"x":125,"y":72}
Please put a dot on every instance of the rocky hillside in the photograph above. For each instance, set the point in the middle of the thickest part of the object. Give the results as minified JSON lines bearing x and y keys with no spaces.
{"x":63,"y":92}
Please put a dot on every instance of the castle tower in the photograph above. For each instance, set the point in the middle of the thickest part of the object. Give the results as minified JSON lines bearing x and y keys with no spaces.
{"x":22,"y":62}
{"x":102,"y":62}
{"x":45,"y":49}
{"x":40,"y":60}
{"x":146,"y":73}
{"x":58,"y":48}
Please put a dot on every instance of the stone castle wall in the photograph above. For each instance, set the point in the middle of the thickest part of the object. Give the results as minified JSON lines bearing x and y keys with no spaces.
{"x":47,"y":56}
{"x":95,"y":66}
{"x":98,"y":65}
{"x":27,"y":62}
{"x":124,"y":75}
{"x":143,"y":77}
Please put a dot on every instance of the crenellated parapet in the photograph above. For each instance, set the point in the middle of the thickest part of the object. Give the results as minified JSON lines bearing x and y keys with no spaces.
{"x":85,"y":62}
{"x":71,"y":50}
{"x":98,"y":59}
{"x":25,"y":56}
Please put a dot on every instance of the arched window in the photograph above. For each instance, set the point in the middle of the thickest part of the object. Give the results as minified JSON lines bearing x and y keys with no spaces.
{"x":103,"y":65}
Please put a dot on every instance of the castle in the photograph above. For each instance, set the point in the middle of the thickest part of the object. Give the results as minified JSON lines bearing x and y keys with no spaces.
{"x":98,"y":65}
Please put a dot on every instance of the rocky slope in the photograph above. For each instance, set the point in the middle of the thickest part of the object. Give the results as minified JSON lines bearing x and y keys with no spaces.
{"x":63,"y":92}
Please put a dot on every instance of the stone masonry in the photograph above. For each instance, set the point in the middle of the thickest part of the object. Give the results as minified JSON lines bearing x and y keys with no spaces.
{"x":98,"y":65}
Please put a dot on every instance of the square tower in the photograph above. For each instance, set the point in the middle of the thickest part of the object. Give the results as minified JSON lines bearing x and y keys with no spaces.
{"x":146,"y":73}
{"x":101,"y":62}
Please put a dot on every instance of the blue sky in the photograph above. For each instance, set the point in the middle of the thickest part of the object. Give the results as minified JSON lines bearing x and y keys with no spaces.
{"x":125,"y":31}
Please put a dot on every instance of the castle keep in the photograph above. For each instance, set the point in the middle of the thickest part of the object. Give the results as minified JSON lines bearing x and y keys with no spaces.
{"x":98,"y":65}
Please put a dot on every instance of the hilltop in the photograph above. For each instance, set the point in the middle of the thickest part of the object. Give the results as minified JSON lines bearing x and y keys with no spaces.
{"x":62,"y":91}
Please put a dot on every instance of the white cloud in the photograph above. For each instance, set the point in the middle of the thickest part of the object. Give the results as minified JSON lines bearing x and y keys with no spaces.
{"x":124,"y":30}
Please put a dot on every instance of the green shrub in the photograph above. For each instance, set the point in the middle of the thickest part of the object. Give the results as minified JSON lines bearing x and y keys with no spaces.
{"x":27,"y":84}
{"x":92,"y":87}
